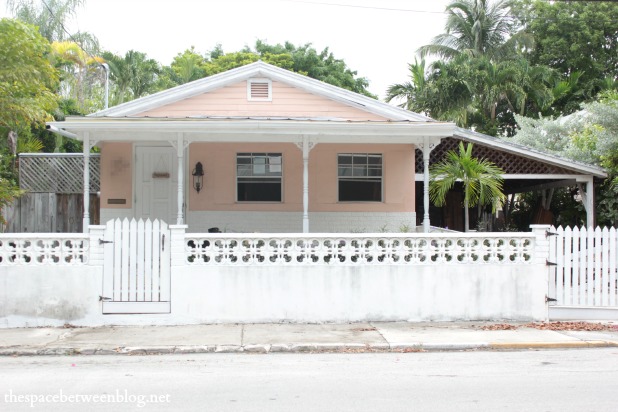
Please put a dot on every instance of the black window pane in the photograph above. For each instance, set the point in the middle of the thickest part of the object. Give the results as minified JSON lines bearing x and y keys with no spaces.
{"x":345,"y":159}
{"x":259,"y":191}
{"x":374,"y":159}
{"x":351,"y":190}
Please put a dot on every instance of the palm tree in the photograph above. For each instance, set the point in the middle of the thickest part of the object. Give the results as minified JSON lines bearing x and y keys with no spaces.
{"x":75,"y":64}
{"x":411,"y":92}
{"x":476,"y":28}
{"x":133,"y":75}
{"x":482,"y":180}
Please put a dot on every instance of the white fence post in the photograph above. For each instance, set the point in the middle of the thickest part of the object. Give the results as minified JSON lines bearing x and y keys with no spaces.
{"x":96,"y":233}
{"x":541,"y":243}
{"x":177,"y":244}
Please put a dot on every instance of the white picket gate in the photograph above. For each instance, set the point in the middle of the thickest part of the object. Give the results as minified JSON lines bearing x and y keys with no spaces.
{"x":136,"y":268}
{"x":584,"y":267}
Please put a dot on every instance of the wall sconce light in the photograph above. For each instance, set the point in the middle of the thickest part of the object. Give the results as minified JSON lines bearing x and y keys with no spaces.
{"x":198,"y":175}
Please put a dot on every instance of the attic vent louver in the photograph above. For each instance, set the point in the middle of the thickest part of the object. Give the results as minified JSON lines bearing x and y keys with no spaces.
{"x":259,"y":89}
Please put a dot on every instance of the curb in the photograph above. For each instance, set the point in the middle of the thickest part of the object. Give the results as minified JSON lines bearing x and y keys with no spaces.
{"x":302,"y":348}
{"x":554,"y":345}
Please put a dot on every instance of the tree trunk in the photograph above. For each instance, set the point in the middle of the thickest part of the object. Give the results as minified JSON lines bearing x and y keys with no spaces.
{"x":466,"y":217}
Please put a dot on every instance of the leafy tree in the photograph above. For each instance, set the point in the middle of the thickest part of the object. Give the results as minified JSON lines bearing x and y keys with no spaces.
{"x":49,"y":16}
{"x":481,"y":179}
{"x":577,"y":39}
{"x":230,"y":61}
{"x":590,"y":136}
{"x":80,"y":79}
{"x":27,"y":78}
{"x":188,"y":66}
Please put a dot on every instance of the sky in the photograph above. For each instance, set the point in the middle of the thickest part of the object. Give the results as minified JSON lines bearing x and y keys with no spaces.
{"x":376,"y":38}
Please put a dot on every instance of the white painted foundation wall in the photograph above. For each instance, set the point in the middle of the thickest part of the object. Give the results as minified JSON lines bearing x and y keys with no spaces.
{"x":33,"y":296}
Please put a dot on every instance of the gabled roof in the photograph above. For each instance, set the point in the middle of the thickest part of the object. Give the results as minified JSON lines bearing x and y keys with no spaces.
{"x":265,"y":70}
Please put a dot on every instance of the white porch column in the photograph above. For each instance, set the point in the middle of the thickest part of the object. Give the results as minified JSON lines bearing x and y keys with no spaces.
{"x":587,"y":198}
{"x":590,"y":202}
{"x":426,"y":147}
{"x":306,"y":147}
{"x":86,"y":218}
{"x":180,"y":149}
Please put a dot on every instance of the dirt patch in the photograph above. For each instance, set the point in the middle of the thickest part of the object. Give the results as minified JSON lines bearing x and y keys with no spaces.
{"x":559,"y":326}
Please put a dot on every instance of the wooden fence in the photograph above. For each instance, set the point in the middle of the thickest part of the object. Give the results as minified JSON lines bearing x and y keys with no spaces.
{"x":584,"y":267}
{"x":49,"y":213}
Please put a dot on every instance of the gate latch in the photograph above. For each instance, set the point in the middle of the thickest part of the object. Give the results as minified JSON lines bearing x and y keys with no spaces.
{"x":102,"y":242}
{"x":102,"y":298}
{"x":548,"y":299}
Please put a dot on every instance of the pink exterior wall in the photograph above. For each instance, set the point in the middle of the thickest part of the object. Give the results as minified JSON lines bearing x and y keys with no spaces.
{"x":287,"y":101}
{"x":219,"y":161}
{"x":397,"y":182}
{"x":116,"y":174}
{"x":219,"y":193}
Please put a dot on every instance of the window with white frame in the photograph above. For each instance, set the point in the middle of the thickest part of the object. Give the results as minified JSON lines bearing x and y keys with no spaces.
{"x":360,"y":177}
{"x":259,"y":177}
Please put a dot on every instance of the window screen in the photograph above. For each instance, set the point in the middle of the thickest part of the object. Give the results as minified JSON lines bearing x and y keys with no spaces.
{"x":360,"y":177}
{"x":258,"y":177}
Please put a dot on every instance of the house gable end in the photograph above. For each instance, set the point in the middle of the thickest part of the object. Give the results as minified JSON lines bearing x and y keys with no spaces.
{"x":261,"y":70}
{"x":260,"y":97}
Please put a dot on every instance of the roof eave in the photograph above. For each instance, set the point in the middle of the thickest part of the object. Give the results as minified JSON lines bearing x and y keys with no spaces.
{"x":530,"y":153}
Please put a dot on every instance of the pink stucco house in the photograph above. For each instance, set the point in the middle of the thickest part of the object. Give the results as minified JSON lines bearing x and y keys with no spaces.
{"x":262,"y":149}
{"x":279,"y":152}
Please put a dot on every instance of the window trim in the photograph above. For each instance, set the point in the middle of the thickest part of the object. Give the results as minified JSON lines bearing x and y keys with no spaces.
{"x":381,"y":177}
{"x":259,"y":80}
{"x":280,"y":177}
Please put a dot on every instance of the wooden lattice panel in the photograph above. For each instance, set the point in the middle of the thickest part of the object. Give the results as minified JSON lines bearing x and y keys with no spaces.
{"x":57,"y":173}
{"x":508,"y":162}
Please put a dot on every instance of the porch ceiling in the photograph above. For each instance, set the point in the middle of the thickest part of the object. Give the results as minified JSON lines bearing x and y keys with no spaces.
{"x":254,"y":130}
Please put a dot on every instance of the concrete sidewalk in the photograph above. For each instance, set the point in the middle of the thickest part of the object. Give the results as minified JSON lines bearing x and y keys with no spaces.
{"x":266,"y":338}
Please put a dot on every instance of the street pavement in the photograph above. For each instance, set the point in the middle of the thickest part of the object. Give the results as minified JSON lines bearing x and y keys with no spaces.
{"x":293,"y":337}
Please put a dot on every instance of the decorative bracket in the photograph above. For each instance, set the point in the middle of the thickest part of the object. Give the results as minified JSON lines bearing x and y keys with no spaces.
{"x":174,"y":144}
{"x":310,"y":145}
{"x":427,"y":146}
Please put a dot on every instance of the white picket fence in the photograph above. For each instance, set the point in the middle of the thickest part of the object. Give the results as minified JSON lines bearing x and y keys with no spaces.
{"x":584,"y":266}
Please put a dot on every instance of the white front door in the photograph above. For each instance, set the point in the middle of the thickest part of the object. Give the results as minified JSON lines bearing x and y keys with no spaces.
{"x":156,"y":183}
